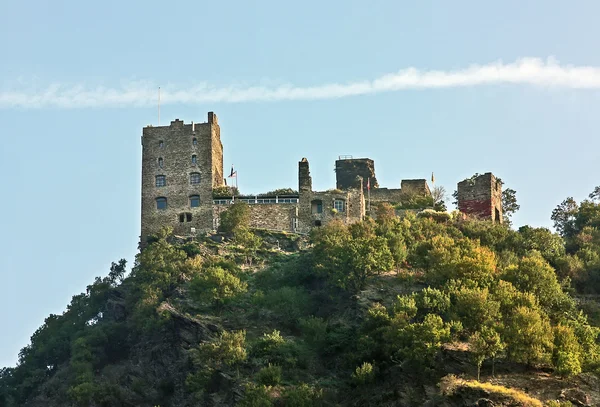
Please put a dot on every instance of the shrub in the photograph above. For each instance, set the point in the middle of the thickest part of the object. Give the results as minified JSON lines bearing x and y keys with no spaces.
{"x":302,"y":395}
{"x":314,"y":330}
{"x":235,"y":217}
{"x":256,"y":396}
{"x":272,"y":348}
{"x":363,"y":374}
{"x":216,"y":285}
{"x":269,"y":376}
{"x":287,"y":303}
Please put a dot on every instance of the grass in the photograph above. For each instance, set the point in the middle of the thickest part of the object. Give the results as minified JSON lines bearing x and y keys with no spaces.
{"x":451,"y":383}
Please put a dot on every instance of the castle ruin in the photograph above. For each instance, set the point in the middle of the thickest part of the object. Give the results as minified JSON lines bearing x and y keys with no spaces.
{"x":182,"y":168}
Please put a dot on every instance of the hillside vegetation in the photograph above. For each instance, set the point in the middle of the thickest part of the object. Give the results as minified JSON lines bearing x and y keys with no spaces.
{"x":429,"y":309}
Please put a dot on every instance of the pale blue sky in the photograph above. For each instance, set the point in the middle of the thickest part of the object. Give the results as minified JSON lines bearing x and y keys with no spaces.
{"x":71,"y":174}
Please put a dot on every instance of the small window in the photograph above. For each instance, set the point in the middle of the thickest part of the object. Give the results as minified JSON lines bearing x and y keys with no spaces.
{"x":317,"y":223}
{"x":195,"y":141}
{"x":194,"y":201}
{"x":181,"y":217}
{"x":316,"y":206}
{"x":161,"y":144}
{"x":194,"y":159}
{"x":195,"y":178}
{"x":338,"y":204}
{"x":161,"y":203}
{"x":161,"y":180}
{"x":160,"y":162}
{"x":188,"y":217}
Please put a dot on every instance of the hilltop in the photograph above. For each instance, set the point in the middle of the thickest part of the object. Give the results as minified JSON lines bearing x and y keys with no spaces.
{"x":432,"y":309}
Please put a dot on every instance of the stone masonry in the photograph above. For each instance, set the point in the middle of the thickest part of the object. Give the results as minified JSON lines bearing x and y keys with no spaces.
{"x":481,"y":196}
{"x":180,"y":162}
{"x":183,"y":163}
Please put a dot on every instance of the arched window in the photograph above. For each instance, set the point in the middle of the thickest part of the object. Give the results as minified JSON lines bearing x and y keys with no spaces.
{"x":194,"y":178}
{"x":195,"y":141}
{"x":160,"y":162}
{"x":316,"y":206}
{"x":161,"y":180}
{"x":194,"y":159}
{"x":161,"y":144}
{"x":338,"y":204}
{"x":161,"y":203}
{"x":194,"y":201}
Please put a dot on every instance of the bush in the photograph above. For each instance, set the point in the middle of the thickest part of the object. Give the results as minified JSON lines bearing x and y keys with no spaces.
{"x":235,"y":217}
{"x":313,"y":329}
{"x":269,"y":376}
{"x":363,"y":374}
{"x":256,"y":396}
{"x":272,"y":348}
{"x":287,"y":303}
{"x":216,"y":285}
{"x":302,"y":395}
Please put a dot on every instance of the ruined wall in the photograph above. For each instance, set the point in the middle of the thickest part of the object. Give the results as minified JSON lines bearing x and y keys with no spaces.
{"x":349,"y":171}
{"x":386,"y":195}
{"x":268,"y":216}
{"x":167,"y":151}
{"x":481,"y":196}
{"x":415,"y":186}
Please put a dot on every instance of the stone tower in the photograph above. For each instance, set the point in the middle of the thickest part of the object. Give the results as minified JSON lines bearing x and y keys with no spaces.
{"x":181,"y":164}
{"x":349,"y":171}
{"x":481,"y":196}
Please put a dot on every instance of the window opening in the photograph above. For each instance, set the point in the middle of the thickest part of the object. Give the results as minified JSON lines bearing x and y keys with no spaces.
{"x":160,"y":162}
{"x":161,"y":180}
{"x":194,"y":159}
{"x":194,"y":201}
{"x":194,"y":141}
{"x":317,"y":206}
{"x":188,"y":217}
{"x":161,"y":203}
{"x":338,"y":204}
{"x":195,"y":178}
{"x":317,"y":223}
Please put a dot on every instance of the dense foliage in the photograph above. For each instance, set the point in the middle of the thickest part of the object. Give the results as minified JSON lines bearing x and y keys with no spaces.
{"x":242,"y":322}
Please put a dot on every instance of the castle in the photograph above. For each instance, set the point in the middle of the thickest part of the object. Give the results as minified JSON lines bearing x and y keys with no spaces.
{"x":182,"y":171}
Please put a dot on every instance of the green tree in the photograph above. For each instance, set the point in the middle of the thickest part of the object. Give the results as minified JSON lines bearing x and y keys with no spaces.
{"x":235,"y":217}
{"x":528,"y":336}
{"x":563,"y":217}
{"x":567,"y":355}
{"x":485,"y":343}
{"x":509,"y":204}
{"x":348,"y":256}
{"x":216,"y":285}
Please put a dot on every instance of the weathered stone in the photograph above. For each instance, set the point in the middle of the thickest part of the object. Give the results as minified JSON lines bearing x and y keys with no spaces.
{"x":576,"y":396}
{"x":349,"y":172}
{"x":481,"y":196}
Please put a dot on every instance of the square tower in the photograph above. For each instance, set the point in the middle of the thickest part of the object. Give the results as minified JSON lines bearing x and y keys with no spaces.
{"x":181,"y":164}
{"x":349,"y":172}
{"x":481,"y":196}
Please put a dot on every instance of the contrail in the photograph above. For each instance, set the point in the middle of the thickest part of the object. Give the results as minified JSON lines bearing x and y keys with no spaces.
{"x":526,"y":71}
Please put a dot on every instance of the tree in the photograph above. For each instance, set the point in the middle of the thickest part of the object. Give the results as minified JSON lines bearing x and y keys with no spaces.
{"x":235,"y":217}
{"x":438,"y":193}
{"x":509,"y":204}
{"x":567,"y":355}
{"x":485,"y":343}
{"x":528,"y":336}
{"x":595,"y":194}
{"x":563,"y":217}
{"x":348,"y":256}
{"x":216,"y":285}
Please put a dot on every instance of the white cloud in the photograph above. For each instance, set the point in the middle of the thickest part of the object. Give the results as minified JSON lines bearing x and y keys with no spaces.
{"x":527,"y":71}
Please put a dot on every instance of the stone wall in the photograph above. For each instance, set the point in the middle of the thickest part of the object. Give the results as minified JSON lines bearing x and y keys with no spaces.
{"x":348,"y":173}
{"x":415,"y":186}
{"x":267,"y":216}
{"x":386,"y":195}
{"x":167,"y":151}
{"x":481,"y":196}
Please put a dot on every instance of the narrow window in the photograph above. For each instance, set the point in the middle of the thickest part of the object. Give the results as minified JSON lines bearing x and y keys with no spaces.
{"x":188,"y":217}
{"x":160,"y":162}
{"x":161,"y":203}
{"x":181,"y":215}
{"x":316,"y":206}
{"x":195,"y":178}
{"x":161,"y":180}
{"x":338,"y":204}
{"x":194,"y":159}
{"x":194,"y":201}
{"x":195,"y":141}
{"x":161,"y":144}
